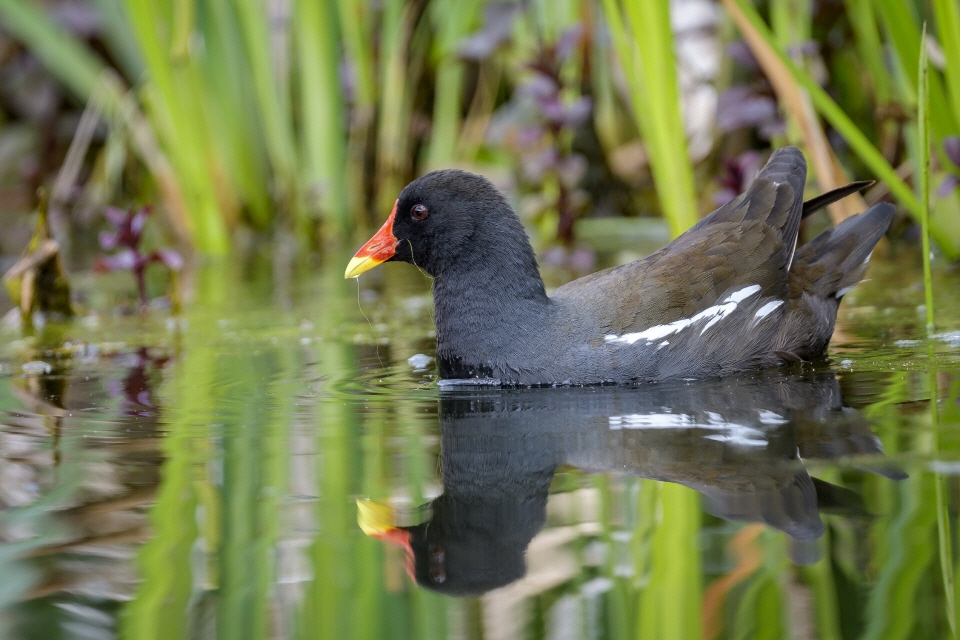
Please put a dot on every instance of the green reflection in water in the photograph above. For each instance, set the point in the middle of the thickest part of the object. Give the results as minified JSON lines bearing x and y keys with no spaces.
{"x":276,"y":415}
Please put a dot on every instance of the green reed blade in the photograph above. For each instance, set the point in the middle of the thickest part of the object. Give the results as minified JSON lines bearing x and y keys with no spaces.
{"x":643,"y":41}
{"x":944,"y":536}
{"x":322,"y":110}
{"x":451,"y":23}
{"x":858,"y":142}
{"x":359,"y":44}
{"x":903,"y":27}
{"x":923,"y":153}
{"x":269,"y":81}
{"x":819,"y":577}
{"x":173,"y":97}
{"x":397,"y":80}
{"x":947,"y":14}
{"x":943,"y":500}
{"x":863,"y":22}
{"x":233,"y":116}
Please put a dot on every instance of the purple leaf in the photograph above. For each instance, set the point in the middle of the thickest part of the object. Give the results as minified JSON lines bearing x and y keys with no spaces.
{"x":951,"y":146}
{"x":568,"y":41}
{"x":530,"y":136}
{"x":571,"y":169}
{"x":772,"y":128}
{"x":737,"y":175}
{"x":723,"y":196}
{"x":554,"y":257}
{"x":950,"y":182}
{"x":115,"y":216}
{"x":138,"y":221}
{"x":108,"y":240}
{"x":169,"y":258}
{"x":740,"y":107}
{"x":535,"y":165}
{"x":539,"y":86}
{"x":552,"y":111}
{"x":496,"y":30}
{"x":740,"y":51}
{"x":124,"y":259}
{"x":577,"y":112}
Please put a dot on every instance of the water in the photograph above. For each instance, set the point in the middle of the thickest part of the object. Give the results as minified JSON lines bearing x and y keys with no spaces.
{"x":214,"y":477}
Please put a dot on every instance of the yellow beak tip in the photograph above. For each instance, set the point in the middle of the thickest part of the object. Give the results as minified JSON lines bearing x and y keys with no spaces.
{"x":356,"y":266}
{"x":374,"y":518}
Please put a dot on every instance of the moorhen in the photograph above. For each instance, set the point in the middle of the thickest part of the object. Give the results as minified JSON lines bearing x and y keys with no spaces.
{"x":732,"y":293}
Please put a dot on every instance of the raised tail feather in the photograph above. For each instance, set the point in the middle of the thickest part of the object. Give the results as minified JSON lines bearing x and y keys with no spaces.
{"x":824,"y":199}
{"x":837,"y":258}
{"x":824,"y":270}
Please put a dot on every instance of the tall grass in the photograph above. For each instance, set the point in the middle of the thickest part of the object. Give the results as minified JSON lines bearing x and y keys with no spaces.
{"x":945,"y":229}
{"x":923,"y":153}
{"x":643,"y":39}
{"x":324,"y":148}
{"x":301,"y":115}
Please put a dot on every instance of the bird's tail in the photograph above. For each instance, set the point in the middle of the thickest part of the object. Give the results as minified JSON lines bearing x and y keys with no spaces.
{"x":836,"y":259}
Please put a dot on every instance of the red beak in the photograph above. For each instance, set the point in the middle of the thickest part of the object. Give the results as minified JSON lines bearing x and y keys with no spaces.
{"x":378,"y":249}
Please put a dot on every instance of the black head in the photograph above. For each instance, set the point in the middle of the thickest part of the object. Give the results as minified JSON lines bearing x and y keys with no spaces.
{"x":445,"y":216}
{"x":443,"y":219}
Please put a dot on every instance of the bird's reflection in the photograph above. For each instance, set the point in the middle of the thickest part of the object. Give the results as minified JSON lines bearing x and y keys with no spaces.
{"x":737,"y":441}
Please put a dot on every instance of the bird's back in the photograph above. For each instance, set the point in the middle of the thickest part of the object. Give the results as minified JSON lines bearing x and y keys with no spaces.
{"x":731,"y":293}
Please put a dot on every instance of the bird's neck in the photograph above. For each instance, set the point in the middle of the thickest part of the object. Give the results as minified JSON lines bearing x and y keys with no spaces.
{"x":486,"y":307}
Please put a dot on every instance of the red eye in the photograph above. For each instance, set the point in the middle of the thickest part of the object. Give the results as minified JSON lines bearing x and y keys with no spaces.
{"x":438,"y":573}
{"x":418,"y":212}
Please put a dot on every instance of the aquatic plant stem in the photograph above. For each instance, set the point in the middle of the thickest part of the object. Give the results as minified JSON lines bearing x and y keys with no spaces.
{"x":944,"y":536}
{"x":923,"y":154}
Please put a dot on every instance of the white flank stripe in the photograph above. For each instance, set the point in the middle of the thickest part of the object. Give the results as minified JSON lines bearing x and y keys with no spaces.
{"x":713,"y":314}
{"x":844,"y":291}
{"x":742,"y":294}
{"x":767,"y":309}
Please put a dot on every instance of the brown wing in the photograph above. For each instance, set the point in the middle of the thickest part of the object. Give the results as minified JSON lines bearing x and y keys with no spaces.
{"x":751,"y":240}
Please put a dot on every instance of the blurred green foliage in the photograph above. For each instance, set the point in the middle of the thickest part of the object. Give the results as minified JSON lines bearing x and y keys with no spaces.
{"x":309,"y":117}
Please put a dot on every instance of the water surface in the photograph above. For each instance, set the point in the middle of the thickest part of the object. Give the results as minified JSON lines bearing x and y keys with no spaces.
{"x":213,"y":476}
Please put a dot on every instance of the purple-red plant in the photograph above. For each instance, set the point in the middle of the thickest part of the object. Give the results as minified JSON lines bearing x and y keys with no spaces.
{"x":951,"y":146}
{"x":750,"y":103}
{"x":539,"y":122}
{"x":737,"y":174}
{"x":125,"y":241}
